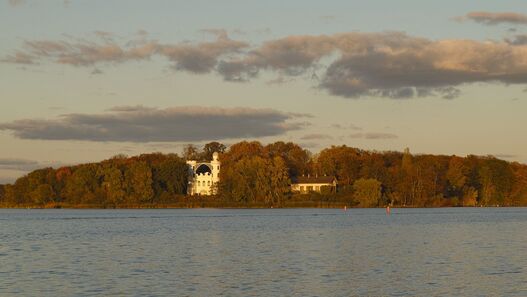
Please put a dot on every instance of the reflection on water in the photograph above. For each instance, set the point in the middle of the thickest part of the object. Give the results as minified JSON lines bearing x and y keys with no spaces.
{"x":279,"y":252}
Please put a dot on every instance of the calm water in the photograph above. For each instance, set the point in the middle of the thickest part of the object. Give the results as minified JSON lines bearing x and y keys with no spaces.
{"x":280,"y":252}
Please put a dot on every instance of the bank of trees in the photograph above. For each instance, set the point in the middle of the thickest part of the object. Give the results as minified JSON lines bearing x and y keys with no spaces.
{"x":254,"y":174}
{"x":119,"y":181}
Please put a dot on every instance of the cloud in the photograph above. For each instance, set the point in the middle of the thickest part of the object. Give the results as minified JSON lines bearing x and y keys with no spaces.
{"x":505,"y":156}
{"x":19,"y":58}
{"x":279,"y":81}
{"x":345,"y":127}
{"x":520,"y":39}
{"x":494,"y":18}
{"x":316,"y":136}
{"x":143,"y":124}
{"x":203,"y":57}
{"x":197,"y":58}
{"x":18,"y":164}
{"x":374,"y":135}
{"x":85,"y":53}
{"x":391,"y":64}
{"x":352,"y":65}
{"x":96,"y":71}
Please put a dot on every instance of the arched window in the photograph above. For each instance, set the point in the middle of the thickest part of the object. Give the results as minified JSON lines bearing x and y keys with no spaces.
{"x":208,"y":183}
{"x":199,"y":183}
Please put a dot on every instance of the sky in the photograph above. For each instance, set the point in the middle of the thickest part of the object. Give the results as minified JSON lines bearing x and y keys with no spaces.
{"x":84,"y":80}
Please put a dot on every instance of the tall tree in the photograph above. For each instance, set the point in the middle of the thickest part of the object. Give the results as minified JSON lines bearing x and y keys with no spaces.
{"x":138,"y":180}
{"x":210,"y":148}
{"x":367,"y":192}
{"x":191,"y":152}
{"x":296,"y":158}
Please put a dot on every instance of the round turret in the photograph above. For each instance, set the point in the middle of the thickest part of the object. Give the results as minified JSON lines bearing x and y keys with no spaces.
{"x":215,"y":156}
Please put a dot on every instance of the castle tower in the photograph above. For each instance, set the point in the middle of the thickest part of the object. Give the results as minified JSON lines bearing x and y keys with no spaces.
{"x":216,"y":165}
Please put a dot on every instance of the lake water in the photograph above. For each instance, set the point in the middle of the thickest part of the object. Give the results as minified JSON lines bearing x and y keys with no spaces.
{"x":267,"y":252}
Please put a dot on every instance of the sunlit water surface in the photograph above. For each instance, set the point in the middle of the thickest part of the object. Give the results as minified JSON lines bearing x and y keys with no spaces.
{"x":271,"y":252}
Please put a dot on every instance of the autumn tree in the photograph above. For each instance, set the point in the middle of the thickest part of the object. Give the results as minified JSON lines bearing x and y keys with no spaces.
{"x":295,"y":157}
{"x":342,"y":162}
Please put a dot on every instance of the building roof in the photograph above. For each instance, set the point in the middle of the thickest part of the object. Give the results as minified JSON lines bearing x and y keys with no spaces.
{"x":313,"y":180}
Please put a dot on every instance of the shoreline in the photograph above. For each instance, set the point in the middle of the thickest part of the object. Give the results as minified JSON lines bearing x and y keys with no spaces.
{"x":98,"y":207}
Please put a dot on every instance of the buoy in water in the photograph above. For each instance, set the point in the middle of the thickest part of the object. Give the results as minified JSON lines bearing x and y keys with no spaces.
{"x":388,"y":209}
{"x":345,"y":208}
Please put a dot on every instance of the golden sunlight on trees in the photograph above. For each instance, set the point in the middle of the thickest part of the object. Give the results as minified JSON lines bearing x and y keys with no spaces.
{"x":256,"y":175}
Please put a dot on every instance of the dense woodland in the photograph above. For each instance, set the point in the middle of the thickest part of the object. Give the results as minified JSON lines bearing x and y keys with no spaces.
{"x":254,"y":175}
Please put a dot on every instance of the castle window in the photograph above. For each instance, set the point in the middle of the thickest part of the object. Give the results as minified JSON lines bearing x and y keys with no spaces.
{"x":208,"y":183}
{"x":199,"y":183}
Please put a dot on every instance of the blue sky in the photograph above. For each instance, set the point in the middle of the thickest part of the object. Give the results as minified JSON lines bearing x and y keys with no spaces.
{"x":85,"y":80}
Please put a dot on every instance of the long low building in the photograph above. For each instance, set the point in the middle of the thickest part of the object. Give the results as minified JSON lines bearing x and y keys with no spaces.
{"x":306,"y":184}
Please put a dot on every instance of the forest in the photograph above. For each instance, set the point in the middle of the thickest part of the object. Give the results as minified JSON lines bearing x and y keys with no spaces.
{"x":257,"y":175}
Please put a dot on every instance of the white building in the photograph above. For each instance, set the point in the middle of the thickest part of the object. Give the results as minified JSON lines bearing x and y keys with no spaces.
{"x":203,"y":177}
{"x":306,"y":184}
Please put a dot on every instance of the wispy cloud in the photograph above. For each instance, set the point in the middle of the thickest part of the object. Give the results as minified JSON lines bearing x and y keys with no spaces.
{"x":494,"y":18}
{"x":143,"y":124}
{"x":197,"y":58}
{"x":19,"y":58}
{"x":316,"y":136}
{"x":18,"y":164}
{"x":505,"y":156}
{"x":203,"y":57}
{"x":346,"y":127}
{"x":374,"y":135}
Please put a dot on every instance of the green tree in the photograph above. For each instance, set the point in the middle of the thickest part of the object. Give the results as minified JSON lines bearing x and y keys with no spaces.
{"x":170,"y":177}
{"x":43,"y":194}
{"x":113,"y":185}
{"x":255,"y":180}
{"x":81,"y":187}
{"x":210,"y":148}
{"x":191,"y":152}
{"x":367,"y":192}
{"x":138,"y":180}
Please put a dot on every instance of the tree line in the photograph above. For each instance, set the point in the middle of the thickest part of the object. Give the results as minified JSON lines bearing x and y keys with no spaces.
{"x":257,"y":175}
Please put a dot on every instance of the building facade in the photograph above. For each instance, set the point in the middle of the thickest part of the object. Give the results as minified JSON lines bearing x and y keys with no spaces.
{"x":306,"y":184}
{"x":203,"y":177}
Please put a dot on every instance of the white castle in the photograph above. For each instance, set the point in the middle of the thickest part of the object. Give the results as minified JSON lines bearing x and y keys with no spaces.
{"x":203,"y":177}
